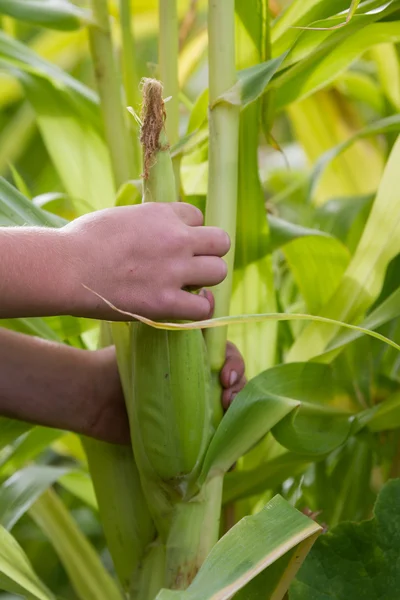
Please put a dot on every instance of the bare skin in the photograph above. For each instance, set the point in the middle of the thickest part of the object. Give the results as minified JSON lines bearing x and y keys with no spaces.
{"x":140,"y":258}
{"x":55,"y":385}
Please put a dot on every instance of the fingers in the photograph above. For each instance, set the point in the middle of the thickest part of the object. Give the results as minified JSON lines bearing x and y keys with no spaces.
{"x":230,"y":394}
{"x":188,"y":214}
{"x":234,"y":367}
{"x":232,"y":376}
{"x":205,"y":271}
{"x":210,"y":241}
{"x":191,"y":307}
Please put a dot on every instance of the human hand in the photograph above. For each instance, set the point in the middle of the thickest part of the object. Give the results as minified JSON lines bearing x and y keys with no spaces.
{"x":141,"y":258}
{"x":110,"y":421}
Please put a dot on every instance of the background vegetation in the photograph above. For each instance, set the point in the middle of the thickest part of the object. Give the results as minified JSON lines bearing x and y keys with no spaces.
{"x":318,"y":233}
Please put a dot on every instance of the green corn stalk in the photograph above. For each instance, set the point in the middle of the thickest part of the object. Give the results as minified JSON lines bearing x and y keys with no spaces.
{"x":172,"y":404}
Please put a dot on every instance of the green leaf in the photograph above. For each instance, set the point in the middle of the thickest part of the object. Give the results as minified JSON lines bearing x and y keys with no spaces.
{"x":387,"y":125}
{"x":268,"y":475}
{"x":253,"y":281}
{"x":287,"y":392}
{"x":56,"y":14}
{"x":318,"y":72}
{"x":15,"y":209}
{"x":252,"y":83}
{"x":363,"y":279}
{"x":356,"y":560}
{"x":23,"y":488}
{"x":86,"y":572}
{"x":75,"y":146}
{"x":248,"y":549}
{"x":310,"y":256}
{"x":16,"y":573}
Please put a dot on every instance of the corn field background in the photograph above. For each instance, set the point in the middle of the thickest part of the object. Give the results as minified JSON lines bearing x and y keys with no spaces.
{"x":304,"y":467}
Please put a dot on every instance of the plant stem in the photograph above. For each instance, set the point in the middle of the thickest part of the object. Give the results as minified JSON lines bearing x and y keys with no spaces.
{"x":223,"y":166}
{"x":168,"y":52}
{"x":108,"y":82}
{"x":131,"y":80}
{"x":194,"y":531}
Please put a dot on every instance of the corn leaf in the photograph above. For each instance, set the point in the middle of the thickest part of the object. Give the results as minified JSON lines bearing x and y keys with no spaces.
{"x":56,"y":14}
{"x":268,"y":475}
{"x":23,"y":488}
{"x":356,"y":560}
{"x":16,"y":55}
{"x":75,"y":146}
{"x":86,"y":572}
{"x":364,"y":276}
{"x":252,"y":83}
{"x":15,"y":209}
{"x":27,"y":447}
{"x":387,"y":125}
{"x":250,"y":548}
{"x":294,"y":395}
{"x":307,"y":258}
{"x":16,"y":573}
{"x":253,"y":284}
{"x":320,"y":71}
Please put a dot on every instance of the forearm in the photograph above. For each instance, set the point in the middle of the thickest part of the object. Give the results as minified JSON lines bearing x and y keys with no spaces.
{"x":36,"y":273}
{"x":46,"y":383}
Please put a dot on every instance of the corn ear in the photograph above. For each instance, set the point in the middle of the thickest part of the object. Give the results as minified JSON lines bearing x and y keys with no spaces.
{"x":169,"y":409}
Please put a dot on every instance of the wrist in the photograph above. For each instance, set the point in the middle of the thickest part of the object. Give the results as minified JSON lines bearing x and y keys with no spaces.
{"x":36,"y":275}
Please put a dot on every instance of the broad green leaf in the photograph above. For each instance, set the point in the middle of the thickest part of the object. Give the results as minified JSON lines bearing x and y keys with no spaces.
{"x":283,"y":232}
{"x":382,"y":417}
{"x":23,"y":488}
{"x":56,"y":14}
{"x":364,"y":277}
{"x":86,"y":572}
{"x":253,"y":282}
{"x":248,"y":549}
{"x":268,"y":475}
{"x":307,"y":258}
{"x":313,"y":430}
{"x":267,"y":399}
{"x":321,"y":122}
{"x":356,"y":560}
{"x":387,"y":125}
{"x":15,"y":209}
{"x":75,"y":146}
{"x":385,"y":56}
{"x":27,"y":447}
{"x":16,"y":55}
{"x":318,"y":73}
{"x":252,"y":83}
{"x":388,"y":310}
{"x":16,"y":573}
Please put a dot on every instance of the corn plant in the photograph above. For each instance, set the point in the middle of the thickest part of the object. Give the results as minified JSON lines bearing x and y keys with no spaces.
{"x":204,"y":505}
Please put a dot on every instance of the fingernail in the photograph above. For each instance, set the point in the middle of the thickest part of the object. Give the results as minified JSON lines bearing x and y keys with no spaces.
{"x":233,"y":377}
